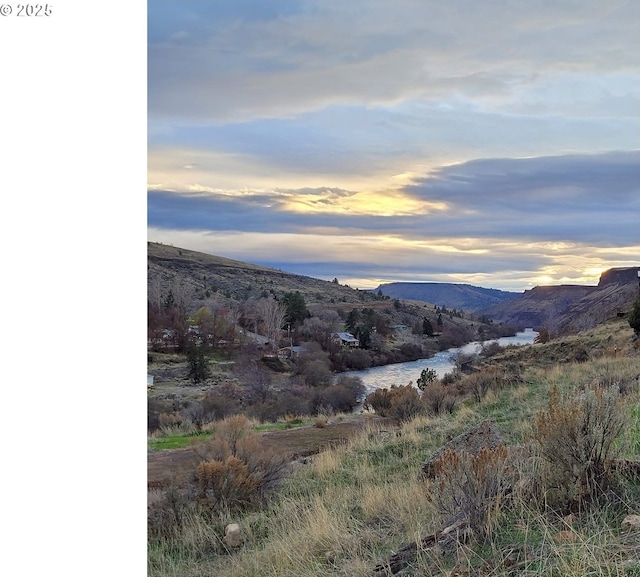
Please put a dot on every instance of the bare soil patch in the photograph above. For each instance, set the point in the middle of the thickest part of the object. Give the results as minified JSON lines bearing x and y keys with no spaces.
{"x":177,"y":465}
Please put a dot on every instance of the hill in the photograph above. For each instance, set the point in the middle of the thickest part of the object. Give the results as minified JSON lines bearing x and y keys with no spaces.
{"x":196,"y":276}
{"x":567,"y":309}
{"x":457,"y":296}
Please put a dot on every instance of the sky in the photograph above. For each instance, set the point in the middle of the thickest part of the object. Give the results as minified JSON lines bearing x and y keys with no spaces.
{"x":493,"y":143}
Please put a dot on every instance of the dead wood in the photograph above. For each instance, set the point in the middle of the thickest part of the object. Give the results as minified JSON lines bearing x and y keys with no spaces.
{"x":441,"y":541}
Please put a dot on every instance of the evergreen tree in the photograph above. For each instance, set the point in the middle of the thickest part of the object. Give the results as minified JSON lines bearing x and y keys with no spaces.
{"x":427,"y":327}
{"x":199,"y":370}
{"x":296,"y":308}
{"x":352,"y":320}
{"x":634,"y":316}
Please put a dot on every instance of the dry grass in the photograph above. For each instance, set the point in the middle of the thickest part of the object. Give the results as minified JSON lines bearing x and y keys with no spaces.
{"x":352,"y":506}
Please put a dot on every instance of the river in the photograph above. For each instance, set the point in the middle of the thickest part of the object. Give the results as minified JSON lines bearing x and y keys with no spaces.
{"x":442,"y":362}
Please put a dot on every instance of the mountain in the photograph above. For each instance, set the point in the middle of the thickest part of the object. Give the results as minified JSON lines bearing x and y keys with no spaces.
{"x":456,"y":296}
{"x":568,"y":309}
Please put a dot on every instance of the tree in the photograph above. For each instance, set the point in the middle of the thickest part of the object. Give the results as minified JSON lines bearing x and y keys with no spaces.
{"x":258,"y":382}
{"x":634,"y":316}
{"x":198,"y":362}
{"x":352,"y":320}
{"x":296,"y":308}
{"x":319,"y":329}
{"x":169,"y":301}
{"x":363,"y":334}
{"x":427,"y":376}
{"x":427,"y":327}
{"x":272,"y":314}
{"x":544,"y":336}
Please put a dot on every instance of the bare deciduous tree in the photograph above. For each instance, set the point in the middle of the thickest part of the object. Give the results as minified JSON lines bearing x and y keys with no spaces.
{"x":272,"y":314}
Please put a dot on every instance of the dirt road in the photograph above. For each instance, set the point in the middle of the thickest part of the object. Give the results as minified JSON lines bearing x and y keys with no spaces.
{"x":177,"y":465}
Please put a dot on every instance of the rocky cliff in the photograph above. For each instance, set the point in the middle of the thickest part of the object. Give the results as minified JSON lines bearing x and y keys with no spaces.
{"x":568,"y":309}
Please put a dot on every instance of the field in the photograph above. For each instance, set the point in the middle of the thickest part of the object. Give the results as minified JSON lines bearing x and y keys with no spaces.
{"x":358,"y":504}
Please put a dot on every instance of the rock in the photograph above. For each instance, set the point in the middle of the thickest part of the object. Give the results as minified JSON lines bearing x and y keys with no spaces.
{"x":233,"y":535}
{"x":633,"y":521}
{"x":472,"y":441}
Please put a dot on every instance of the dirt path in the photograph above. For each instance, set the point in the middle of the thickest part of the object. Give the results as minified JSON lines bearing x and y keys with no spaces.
{"x":177,"y":465}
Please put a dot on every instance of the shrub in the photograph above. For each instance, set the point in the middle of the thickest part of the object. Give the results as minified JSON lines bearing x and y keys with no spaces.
{"x":157,"y":407}
{"x":316,"y":373}
{"x":235,"y":470}
{"x":494,"y":378}
{"x":410,"y":351}
{"x":353,"y":384}
{"x":333,"y":399}
{"x":455,"y":336}
{"x":167,"y":512}
{"x":169,"y":419}
{"x":402,"y":403}
{"x":295,"y":401}
{"x":576,"y":436}
{"x":451,"y":378}
{"x":227,"y":483}
{"x":427,"y":376}
{"x":617,"y":375}
{"x":357,"y":359}
{"x":477,"y":384}
{"x":437,"y":398}
{"x":475,"y":487}
{"x":491,"y":349}
{"x":379,"y":401}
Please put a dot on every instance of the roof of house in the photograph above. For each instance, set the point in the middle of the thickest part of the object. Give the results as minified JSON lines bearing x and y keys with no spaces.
{"x":294,"y":349}
{"x":346,"y":337}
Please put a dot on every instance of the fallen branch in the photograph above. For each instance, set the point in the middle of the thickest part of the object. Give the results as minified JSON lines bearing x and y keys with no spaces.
{"x":458,"y":532}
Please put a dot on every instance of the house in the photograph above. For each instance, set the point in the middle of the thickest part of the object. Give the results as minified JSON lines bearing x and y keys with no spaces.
{"x":289,"y":352}
{"x":345,"y":339}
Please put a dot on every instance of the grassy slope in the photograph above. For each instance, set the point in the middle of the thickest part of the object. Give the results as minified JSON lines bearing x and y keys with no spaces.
{"x":200,"y":272}
{"x":352,"y":507}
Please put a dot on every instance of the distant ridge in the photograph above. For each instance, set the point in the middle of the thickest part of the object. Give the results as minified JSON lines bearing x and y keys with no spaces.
{"x":450,"y":295}
{"x":567,"y":309}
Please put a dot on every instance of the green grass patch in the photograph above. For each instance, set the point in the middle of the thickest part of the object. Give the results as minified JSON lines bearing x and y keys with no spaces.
{"x":176,"y":441}
{"x":282,"y":426}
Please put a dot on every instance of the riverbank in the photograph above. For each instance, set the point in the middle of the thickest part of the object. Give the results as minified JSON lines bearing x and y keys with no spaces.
{"x":383,"y":377}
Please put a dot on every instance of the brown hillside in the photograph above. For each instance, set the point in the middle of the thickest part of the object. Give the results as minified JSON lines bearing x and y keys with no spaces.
{"x":199,"y":277}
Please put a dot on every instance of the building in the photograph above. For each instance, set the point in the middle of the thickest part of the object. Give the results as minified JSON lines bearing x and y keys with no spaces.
{"x":346,"y":340}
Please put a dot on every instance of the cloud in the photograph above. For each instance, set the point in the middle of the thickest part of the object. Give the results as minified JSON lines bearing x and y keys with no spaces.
{"x":482,"y":142}
{"x":575,"y":198}
{"x":319,"y":54}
